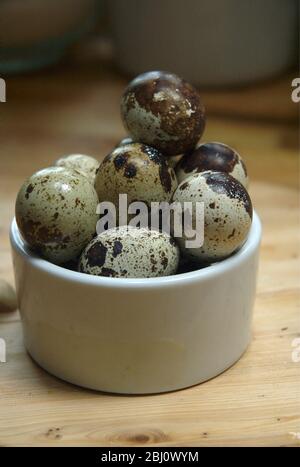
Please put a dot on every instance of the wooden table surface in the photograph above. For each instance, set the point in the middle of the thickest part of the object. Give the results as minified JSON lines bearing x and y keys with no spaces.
{"x":75,"y":108}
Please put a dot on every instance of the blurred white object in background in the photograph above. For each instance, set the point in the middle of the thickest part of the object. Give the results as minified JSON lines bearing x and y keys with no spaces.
{"x":209,"y":42}
{"x":34,"y":33}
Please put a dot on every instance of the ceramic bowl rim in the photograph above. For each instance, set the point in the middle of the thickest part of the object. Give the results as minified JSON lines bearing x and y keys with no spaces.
{"x":214,"y":270}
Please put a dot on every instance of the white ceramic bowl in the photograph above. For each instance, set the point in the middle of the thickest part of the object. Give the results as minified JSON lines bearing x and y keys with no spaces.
{"x":137,"y":336}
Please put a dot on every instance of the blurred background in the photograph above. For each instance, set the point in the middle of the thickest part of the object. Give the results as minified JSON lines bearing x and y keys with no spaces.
{"x":209,"y":42}
{"x":66,"y":64}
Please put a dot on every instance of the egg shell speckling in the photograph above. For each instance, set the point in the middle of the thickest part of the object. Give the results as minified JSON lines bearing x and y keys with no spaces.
{"x":137,"y":170}
{"x":130,"y":252}
{"x":86,"y":165}
{"x":164,"y":111}
{"x":212,"y":156}
{"x":227,"y":213}
{"x":172,"y":160}
{"x":56,"y":213}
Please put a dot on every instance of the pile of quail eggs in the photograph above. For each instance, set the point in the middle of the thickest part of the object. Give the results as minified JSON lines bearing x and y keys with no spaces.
{"x":160,"y":160}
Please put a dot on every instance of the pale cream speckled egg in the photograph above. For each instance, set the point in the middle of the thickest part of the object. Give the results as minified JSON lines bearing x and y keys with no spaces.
{"x":56,"y":213}
{"x":130,"y":252}
{"x":227,"y":213}
{"x":86,"y":165}
{"x":137,"y":170}
{"x":212,"y":156}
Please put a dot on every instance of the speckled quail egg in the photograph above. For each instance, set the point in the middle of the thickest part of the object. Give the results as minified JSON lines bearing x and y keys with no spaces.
{"x":137,"y":170}
{"x":212,"y":156}
{"x":172,"y":160}
{"x":227,"y":213}
{"x":8,"y":297}
{"x":160,"y":109}
{"x":130,"y":252}
{"x":56,"y":213}
{"x":86,"y":165}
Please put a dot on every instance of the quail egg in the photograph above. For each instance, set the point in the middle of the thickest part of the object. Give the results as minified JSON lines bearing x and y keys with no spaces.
{"x":227,"y":214}
{"x":130,"y":252}
{"x":56,"y":213}
{"x":8,"y":298}
{"x":160,"y":109}
{"x":86,"y":165}
{"x":138,"y":170}
{"x":212,"y":156}
{"x":172,"y":160}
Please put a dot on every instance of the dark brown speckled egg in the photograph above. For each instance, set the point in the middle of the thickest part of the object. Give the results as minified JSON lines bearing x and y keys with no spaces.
{"x":212,"y":156}
{"x":137,"y":170}
{"x":164,"y":111}
{"x":56,"y":213}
